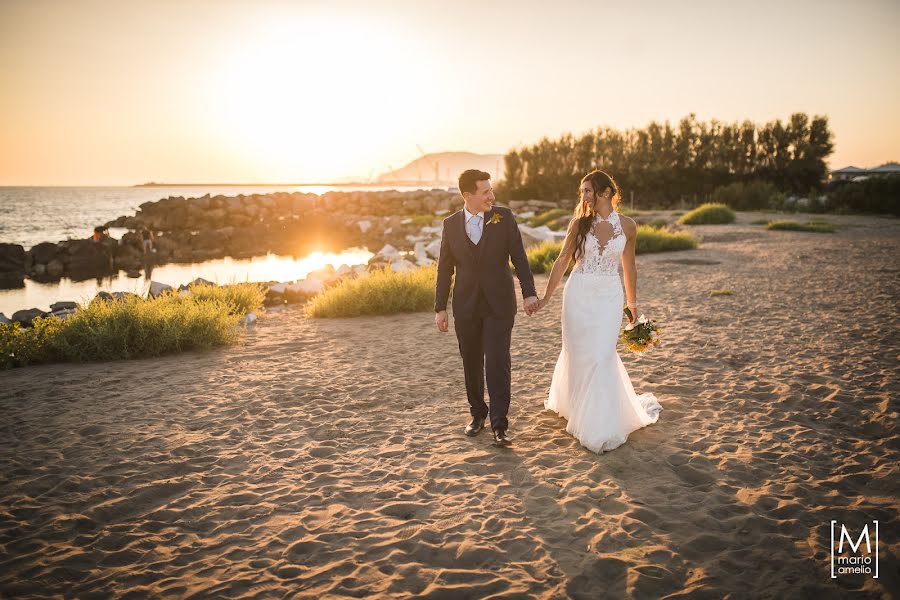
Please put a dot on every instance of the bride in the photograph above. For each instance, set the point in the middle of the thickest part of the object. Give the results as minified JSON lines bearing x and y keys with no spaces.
{"x":590,"y":386}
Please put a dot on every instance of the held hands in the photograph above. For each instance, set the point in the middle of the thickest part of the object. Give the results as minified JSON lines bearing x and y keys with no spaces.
{"x":442,"y":321}
{"x":532,"y":305}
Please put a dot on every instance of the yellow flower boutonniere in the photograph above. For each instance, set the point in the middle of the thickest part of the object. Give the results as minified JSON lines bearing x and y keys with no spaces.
{"x":495,"y":219}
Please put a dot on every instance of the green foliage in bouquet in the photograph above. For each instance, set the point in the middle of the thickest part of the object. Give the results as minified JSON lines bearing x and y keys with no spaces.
{"x":642,"y":336}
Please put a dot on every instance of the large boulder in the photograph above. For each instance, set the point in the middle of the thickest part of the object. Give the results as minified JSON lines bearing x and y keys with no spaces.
{"x":307,"y":286}
{"x":64,"y":305}
{"x":26,"y":317}
{"x":388,"y":252}
{"x":249,"y":240}
{"x":128,"y":257}
{"x":56,"y":268}
{"x":209,"y":240}
{"x":64,"y":313}
{"x":87,"y":256}
{"x":124,"y":295}
{"x":44,"y":252}
{"x":213,"y":218}
{"x":12,"y":260}
{"x":157,"y":288}
{"x":165,"y":246}
{"x":541,"y":234}
{"x":198,"y":282}
{"x":401,"y":264}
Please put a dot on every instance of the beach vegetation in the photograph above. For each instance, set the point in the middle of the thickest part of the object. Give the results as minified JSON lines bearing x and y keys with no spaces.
{"x":812,"y":226}
{"x":379,"y":292}
{"x":133,"y":327}
{"x":708,"y":213}
{"x":650,"y":239}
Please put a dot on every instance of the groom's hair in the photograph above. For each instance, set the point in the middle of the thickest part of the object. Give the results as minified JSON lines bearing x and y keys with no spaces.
{"x":468,"y":180}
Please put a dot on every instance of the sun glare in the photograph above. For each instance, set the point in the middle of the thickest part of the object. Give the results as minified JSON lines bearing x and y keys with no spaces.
{"x":315,"y":97}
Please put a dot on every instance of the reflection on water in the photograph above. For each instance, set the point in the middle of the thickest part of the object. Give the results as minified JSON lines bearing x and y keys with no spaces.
{"x":222,"y":271}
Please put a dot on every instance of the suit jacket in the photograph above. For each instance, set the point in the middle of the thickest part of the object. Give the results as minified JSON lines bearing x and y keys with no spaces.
{"x":482,"y":269}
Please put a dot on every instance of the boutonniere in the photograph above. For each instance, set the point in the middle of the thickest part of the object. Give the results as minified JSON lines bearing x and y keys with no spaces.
{"x":494,"y":219}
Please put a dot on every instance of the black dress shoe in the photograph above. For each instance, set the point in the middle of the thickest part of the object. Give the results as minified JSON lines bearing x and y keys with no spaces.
{"x":476,"y":425}
{"x":500,"y":438}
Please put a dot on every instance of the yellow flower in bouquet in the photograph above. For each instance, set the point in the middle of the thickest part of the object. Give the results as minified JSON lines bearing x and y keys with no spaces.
{"x":641,"y":335}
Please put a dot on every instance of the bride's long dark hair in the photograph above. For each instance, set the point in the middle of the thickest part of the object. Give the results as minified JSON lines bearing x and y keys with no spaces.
{"x":599,"y":180}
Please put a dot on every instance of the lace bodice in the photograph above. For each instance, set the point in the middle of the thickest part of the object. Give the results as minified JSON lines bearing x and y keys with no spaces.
{"x":602,"y":261}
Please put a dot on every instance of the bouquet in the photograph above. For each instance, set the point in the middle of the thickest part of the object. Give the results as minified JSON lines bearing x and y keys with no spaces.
{"x":641,"y":335}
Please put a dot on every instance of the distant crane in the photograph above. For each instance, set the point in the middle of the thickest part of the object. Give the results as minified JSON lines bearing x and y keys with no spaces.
{"x":435,"y":164}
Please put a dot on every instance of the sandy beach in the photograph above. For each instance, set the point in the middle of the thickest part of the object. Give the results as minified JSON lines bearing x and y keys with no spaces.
{"x":326,"y":458}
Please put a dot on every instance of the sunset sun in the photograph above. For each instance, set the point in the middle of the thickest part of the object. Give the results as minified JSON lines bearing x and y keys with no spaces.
{"x":315,"y":96}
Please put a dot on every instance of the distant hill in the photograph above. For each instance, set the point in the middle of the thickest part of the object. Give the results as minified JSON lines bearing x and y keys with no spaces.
{"x":443,"y":168}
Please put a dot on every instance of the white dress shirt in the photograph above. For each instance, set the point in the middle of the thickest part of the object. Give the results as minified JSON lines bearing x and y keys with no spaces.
{"x":474,"y":225}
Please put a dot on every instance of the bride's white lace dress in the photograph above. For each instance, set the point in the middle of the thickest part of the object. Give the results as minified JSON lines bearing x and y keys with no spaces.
{"x":590,"y":387}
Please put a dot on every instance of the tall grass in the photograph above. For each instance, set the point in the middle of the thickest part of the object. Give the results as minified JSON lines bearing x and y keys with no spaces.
{"x":813,"y":226}
{"x":650,"y":238}
{"x":133,"y":327}
{"x":240,"y":298}
{"x":707,"y":214}
{"x":542,"y":257}
{"x":377,"y":293}
{"x":548,"y":216}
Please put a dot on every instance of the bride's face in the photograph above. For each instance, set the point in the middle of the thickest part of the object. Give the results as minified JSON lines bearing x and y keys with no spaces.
{"x":587,"y":194}
{"x":589,"y":197}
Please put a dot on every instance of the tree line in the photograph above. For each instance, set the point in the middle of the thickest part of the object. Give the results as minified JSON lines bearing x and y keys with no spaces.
{"x":664,"y":165}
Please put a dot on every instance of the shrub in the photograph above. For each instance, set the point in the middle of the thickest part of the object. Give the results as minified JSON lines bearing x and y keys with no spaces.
{"x":651,"y":239}
{"x":813,"y":226}
{"x":133,"y":327}
{"x":379,"y":292}
{"x":707,"y":214}
{"x":541,"y":258}
{"x":756,"y":195}
{"x":657,"y":223}
{"x":241,"y":298}
{"x":548,"y":216}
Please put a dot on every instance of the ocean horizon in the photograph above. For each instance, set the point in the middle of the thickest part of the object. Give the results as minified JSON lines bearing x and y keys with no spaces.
{"x":30,"y":215}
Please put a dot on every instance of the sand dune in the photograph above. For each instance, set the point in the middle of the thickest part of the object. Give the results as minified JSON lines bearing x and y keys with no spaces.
{"x":326,"y":458}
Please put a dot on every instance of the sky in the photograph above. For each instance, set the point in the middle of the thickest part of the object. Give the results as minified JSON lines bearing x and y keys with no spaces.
{"x":118,"y":93}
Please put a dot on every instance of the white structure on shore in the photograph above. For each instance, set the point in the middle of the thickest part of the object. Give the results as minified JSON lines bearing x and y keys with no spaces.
{"x":852,"y":173}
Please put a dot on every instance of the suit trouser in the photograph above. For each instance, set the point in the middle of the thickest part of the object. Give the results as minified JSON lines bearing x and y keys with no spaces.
{"x":484,"y":340}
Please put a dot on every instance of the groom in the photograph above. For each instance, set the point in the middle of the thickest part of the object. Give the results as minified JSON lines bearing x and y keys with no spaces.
{"x":477,"y":242}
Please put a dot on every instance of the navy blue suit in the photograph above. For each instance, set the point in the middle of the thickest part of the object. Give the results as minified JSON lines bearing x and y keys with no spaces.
{"x":484,"y":303}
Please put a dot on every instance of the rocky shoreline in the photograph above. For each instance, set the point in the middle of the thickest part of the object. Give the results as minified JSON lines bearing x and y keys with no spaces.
{"x":406,"y":226}
{"x":209,"y":227}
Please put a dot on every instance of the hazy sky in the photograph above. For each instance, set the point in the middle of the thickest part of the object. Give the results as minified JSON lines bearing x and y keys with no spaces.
{"x":128,"y":91}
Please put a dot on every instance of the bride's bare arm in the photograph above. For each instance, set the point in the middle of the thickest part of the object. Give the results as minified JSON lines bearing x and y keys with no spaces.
{"x":629,"y":270}
{"x":561,"y":264}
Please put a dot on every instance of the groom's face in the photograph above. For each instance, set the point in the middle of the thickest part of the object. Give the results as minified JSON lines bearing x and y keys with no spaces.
{"x":482,"y":199}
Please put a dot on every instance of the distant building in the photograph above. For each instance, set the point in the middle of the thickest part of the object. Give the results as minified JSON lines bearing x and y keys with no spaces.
{"x":851,"y":173}
{"x":890,"y":168}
